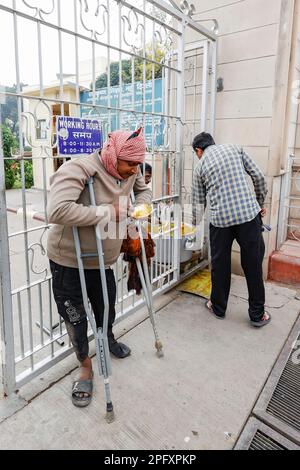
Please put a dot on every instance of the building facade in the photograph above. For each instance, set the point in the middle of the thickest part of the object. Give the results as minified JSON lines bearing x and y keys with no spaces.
{"x":257,"y":105}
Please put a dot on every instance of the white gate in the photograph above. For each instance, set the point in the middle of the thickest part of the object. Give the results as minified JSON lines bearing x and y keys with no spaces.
{"x":289,"y":207}
{"x":65,"y":58}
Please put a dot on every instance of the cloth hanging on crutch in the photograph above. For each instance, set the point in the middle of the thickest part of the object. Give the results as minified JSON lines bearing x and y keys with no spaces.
{"x":132,"y":249}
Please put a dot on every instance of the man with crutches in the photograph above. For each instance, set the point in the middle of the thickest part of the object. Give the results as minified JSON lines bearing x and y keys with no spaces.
{"x":115,"y":173}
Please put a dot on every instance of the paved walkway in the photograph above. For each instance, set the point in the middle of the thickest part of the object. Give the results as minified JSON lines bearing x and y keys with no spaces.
{"x":197,"y":397}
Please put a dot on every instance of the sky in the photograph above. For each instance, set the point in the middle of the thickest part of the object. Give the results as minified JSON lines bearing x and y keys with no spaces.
{"x":28,"y":40}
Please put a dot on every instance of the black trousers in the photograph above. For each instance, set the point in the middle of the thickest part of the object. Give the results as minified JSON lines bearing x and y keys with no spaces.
{"x":68,"y":297}
{"x":249,"y":237}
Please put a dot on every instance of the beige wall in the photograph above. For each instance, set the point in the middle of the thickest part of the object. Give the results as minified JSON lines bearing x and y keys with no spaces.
{"x":293,"y":120}
{"x":293,"y":125}
{"x":254,"y":51}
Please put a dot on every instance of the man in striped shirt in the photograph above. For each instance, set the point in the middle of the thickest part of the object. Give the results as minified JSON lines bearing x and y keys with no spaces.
{"x":235,"y":214}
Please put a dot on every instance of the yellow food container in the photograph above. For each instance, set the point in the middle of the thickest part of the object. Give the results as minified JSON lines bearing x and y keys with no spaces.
{"x":165,"y":245}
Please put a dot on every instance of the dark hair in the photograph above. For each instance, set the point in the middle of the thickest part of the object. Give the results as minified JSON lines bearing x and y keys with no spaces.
{"x":202,"y":141}
{"x":135,"y":133}
{"x":148,"y":168}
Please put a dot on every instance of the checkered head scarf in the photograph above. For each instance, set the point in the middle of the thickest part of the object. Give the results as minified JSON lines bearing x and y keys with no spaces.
{"x":123,"y":145}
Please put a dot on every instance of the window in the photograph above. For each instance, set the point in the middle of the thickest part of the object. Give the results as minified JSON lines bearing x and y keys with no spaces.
{"x":41,"y":130}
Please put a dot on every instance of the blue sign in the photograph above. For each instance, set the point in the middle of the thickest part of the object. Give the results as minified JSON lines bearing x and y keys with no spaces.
{"x":132,"y":97}
{"x":77,"y":136}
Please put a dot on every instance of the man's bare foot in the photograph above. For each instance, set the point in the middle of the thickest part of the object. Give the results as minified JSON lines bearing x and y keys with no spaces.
{"x":210,"y":308}
{"x":85,"y":372}
{"x":265,"y":319}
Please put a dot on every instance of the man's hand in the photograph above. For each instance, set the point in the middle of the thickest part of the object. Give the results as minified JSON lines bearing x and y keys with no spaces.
{"x":118,"y":212}
{"x":263,"y":212}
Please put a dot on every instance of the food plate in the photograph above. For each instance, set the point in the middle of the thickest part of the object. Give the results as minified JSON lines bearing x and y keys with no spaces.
{"x":142,"y":211}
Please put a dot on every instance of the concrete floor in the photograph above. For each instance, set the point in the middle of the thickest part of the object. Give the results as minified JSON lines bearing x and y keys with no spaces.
{"x":197,"y":397}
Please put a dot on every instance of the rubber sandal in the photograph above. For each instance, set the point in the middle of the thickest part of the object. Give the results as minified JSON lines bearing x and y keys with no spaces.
{"x":260,"y":323}
{"x":219,"y":317}
{"x":119,"y":350}
{"x":82,"y":386}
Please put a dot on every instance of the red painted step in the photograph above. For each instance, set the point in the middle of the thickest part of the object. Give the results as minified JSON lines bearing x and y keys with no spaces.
{"x":284,"y":265}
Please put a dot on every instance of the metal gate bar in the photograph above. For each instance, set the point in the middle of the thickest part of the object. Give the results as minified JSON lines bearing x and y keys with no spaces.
{"x":29,"y":350}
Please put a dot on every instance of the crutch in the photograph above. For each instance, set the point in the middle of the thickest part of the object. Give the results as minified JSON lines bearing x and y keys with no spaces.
{"x":100,"y":334}
{"x":146,"y":285}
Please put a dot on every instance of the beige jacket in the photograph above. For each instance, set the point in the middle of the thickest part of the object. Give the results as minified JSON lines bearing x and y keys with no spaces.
{"x":69,"y":205}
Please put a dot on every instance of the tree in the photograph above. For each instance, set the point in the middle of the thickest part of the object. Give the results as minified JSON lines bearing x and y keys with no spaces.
{"x":9,"y":142}
{"x":9,"y":109}
{"x":102,"y":80}
{"x":159,"y":55}
{"x":12,"y":168}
